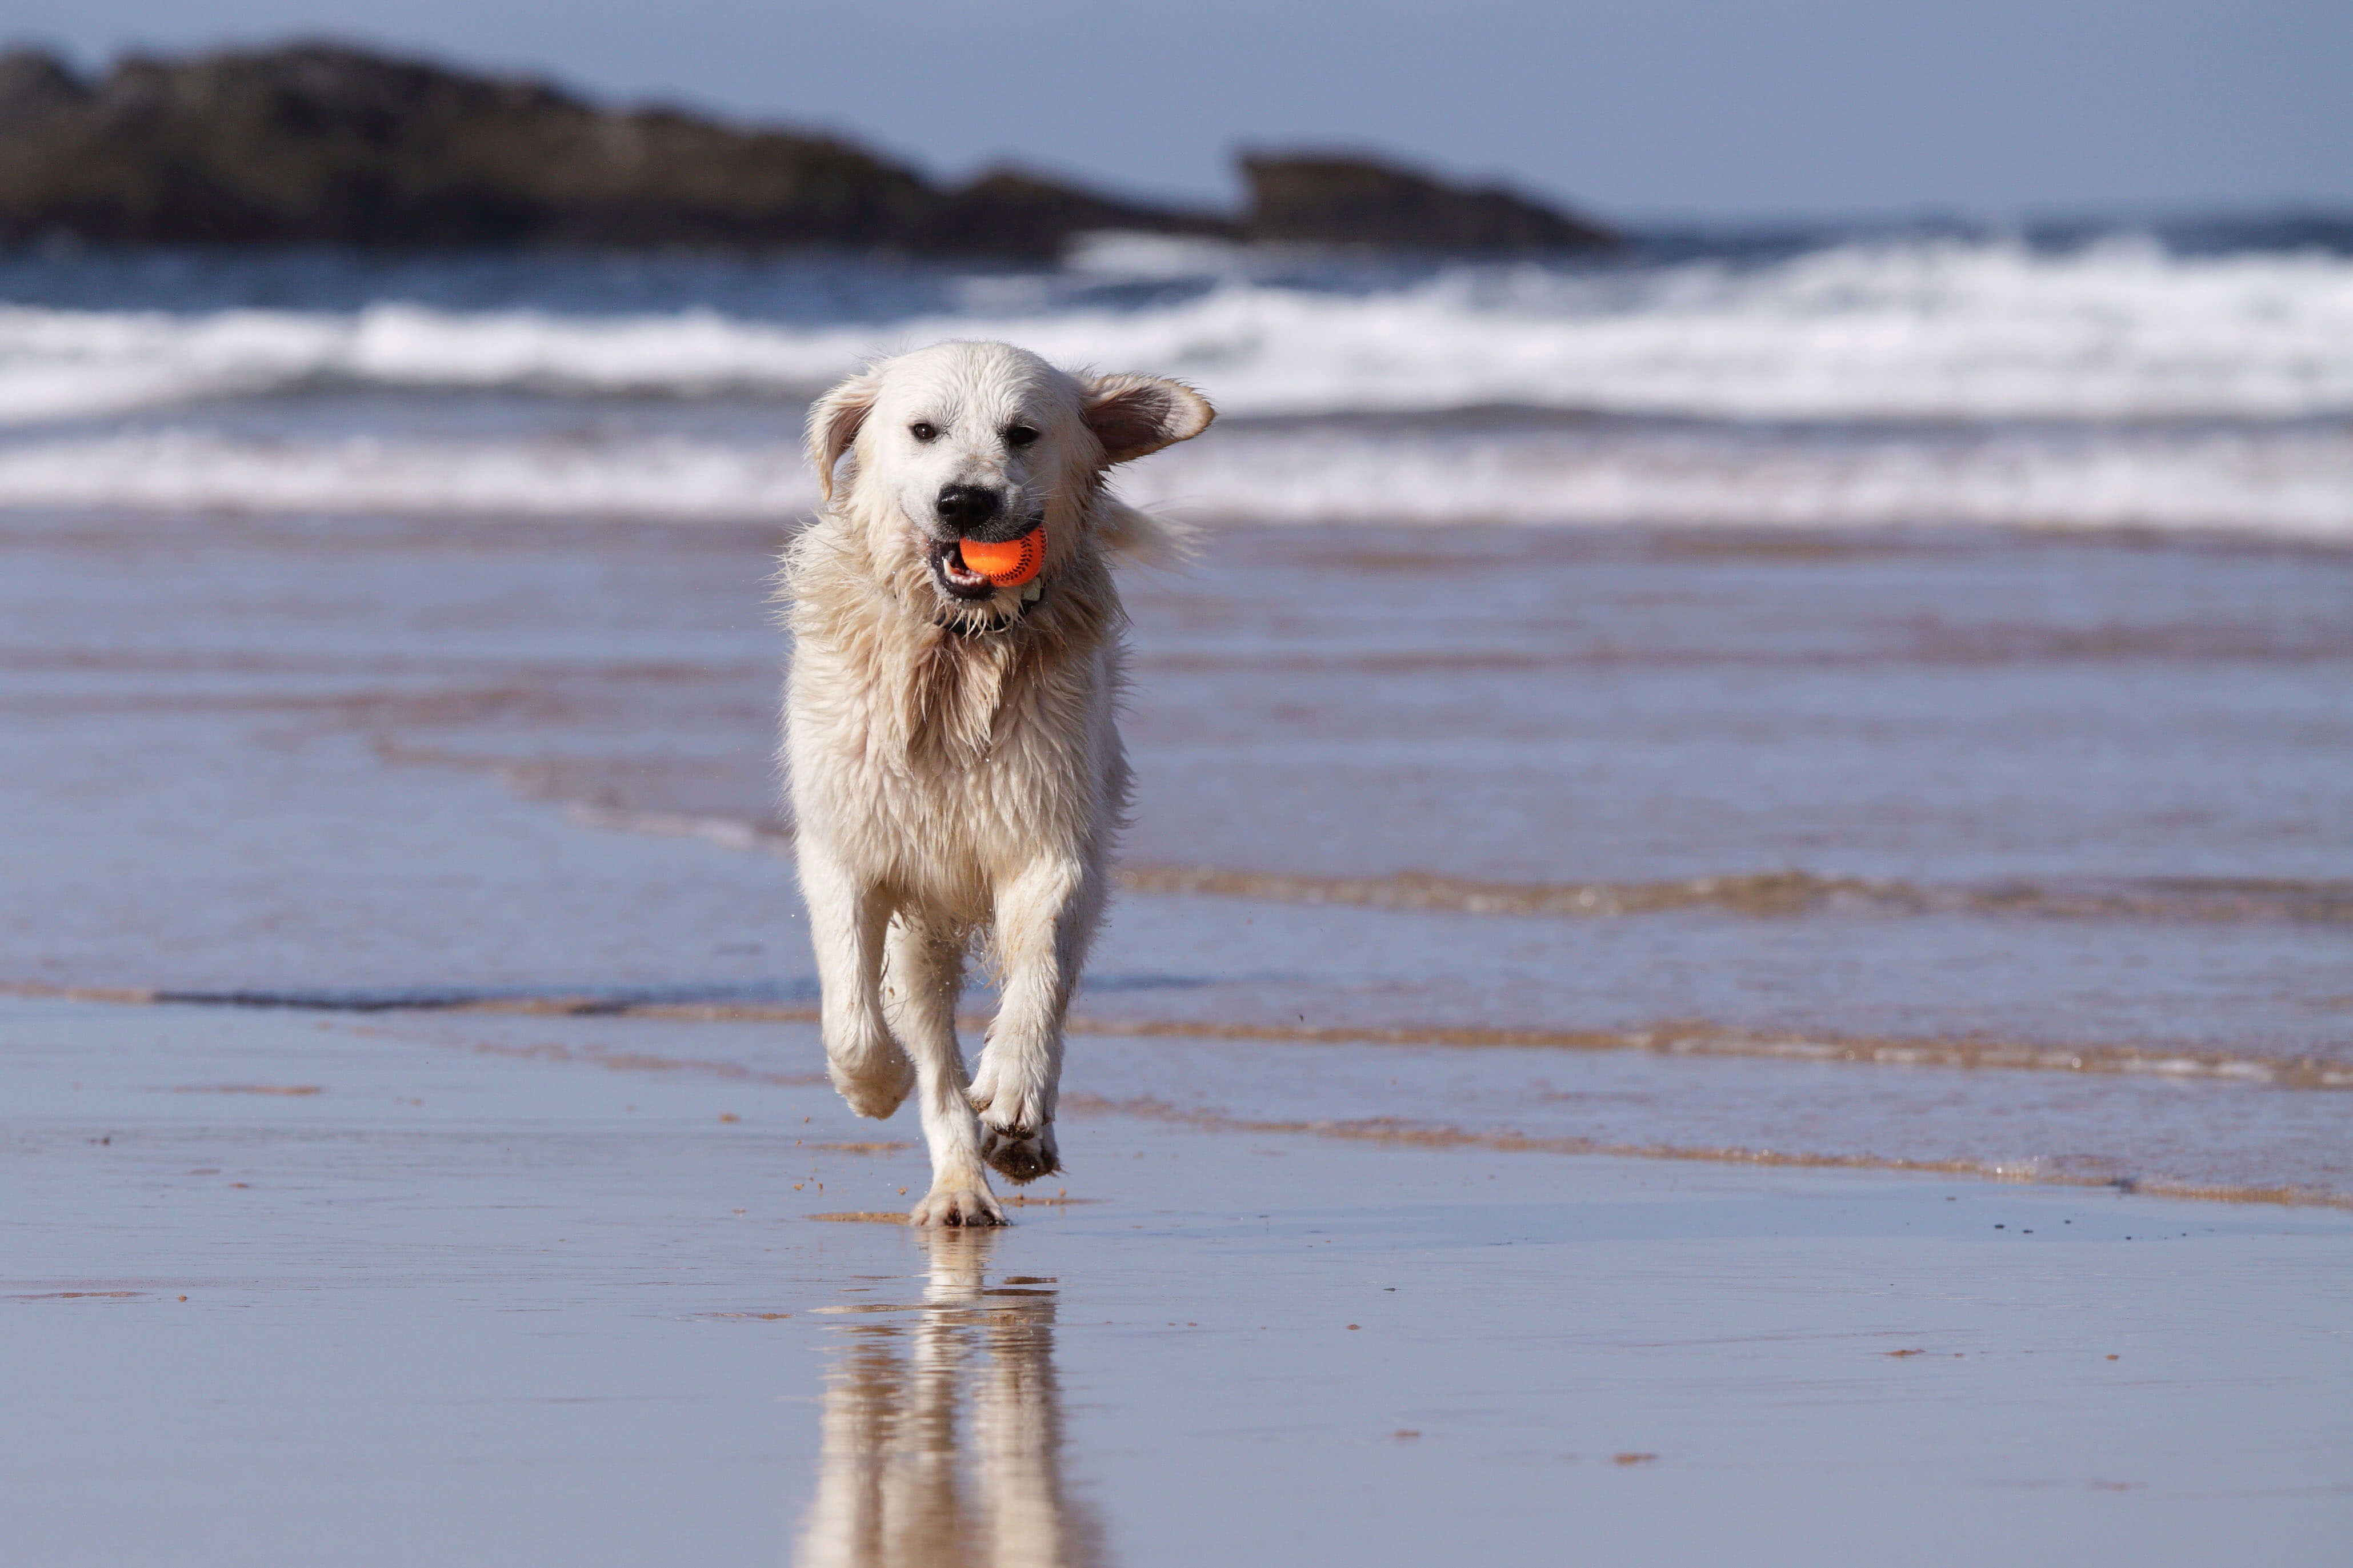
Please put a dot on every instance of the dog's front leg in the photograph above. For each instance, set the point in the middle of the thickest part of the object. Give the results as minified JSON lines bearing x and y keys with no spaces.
{"x":923,"y":976}
{"x":1045,"y":917}
{"x":846,"y":916}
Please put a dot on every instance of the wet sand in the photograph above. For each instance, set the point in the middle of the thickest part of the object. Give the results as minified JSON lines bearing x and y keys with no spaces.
{"x":1733,"y":1021}
{"x":285,"y":1286}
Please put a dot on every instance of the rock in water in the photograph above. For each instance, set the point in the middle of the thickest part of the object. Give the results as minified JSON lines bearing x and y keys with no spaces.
{"x":317,"y":144}
{"x":1331,"y":199}
{"x":322,"y":145}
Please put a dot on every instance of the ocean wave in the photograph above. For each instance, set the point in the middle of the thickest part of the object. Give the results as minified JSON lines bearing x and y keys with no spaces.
{"x":2292,"y":483}
{"x":74,"y":363}
{"x":1912,"y":330}
{"x":2295,"y":481}
{"x":178,"y":470}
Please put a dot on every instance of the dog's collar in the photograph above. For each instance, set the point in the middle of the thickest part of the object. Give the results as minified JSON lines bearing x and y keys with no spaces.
{"x":958,"y":626}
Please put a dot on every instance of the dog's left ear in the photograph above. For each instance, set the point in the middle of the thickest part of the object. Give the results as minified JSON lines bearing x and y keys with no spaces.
{"x":1135,"y":415}
{"x":833,"y":422}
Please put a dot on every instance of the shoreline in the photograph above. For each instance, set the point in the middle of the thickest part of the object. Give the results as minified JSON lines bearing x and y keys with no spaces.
{"x":1390,"y":1130}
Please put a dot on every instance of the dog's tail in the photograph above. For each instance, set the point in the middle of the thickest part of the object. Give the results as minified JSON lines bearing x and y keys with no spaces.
{"x":1144,"y":538}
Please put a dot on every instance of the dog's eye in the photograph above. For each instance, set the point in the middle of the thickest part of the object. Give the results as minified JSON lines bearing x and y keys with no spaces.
{"x":1019,"y":435}
{"x":924,"y":430}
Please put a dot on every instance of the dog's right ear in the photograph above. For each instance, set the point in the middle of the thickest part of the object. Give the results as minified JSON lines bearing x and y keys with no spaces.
{"x":833,"y":422}
{"x":1135,"y":415}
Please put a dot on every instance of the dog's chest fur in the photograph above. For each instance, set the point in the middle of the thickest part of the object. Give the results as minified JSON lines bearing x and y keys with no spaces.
{"x":938,"y":758}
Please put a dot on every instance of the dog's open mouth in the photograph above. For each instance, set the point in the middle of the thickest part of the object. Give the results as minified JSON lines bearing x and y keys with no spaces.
{"x":956,"y":579}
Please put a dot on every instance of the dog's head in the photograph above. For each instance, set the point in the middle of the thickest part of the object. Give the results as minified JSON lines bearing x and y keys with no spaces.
{"x":986,"y":442}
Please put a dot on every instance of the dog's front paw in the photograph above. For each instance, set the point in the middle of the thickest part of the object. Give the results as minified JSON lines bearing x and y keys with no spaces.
{"x":1021,"y":1157}
{"x":874,"y":1075}
{"x":1010,"y":1094}
{"x":957,"y":1204}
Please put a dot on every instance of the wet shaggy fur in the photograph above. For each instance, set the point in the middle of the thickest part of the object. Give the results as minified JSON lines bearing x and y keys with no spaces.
{"x":951,"y":756}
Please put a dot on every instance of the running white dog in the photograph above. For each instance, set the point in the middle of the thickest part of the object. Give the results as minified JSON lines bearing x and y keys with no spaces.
{"x":950,"y":750}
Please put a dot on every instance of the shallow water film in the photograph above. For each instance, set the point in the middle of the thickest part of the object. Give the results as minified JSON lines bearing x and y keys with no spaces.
{"x":2029,"y":858}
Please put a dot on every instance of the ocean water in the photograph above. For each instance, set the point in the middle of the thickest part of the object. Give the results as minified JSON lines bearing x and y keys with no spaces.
{"x":1877,"y":699}
{"x":2088,"y":380}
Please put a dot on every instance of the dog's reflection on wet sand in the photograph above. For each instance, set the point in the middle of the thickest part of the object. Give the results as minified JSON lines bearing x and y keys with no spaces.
{"x":943,"y":1429}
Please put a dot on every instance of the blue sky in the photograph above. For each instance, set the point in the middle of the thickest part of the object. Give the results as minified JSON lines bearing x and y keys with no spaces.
{"x":1641,"y":108}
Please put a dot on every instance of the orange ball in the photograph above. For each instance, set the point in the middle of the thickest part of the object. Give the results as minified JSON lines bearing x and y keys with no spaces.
{"x":1011,"y":564}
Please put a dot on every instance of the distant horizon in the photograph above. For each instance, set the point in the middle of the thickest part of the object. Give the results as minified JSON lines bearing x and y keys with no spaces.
{"x":1665,"y":222}
{"x":1763,"y":224}
{"x":1668,"y":115}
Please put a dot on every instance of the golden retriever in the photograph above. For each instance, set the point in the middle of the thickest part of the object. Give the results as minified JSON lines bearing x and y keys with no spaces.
{"x":951,"y":756}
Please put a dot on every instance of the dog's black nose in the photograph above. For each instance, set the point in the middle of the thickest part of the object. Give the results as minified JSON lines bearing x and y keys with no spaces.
{"x":967,"y":508}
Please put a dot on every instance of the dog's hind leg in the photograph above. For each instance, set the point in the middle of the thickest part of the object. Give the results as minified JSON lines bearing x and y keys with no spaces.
{"x":923,"y":977}
{"x":1045,"y":917}
{"x":846,"y":916}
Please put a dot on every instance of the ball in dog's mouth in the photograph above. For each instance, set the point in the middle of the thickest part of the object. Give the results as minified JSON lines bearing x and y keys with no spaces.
{"x":956,"y":577}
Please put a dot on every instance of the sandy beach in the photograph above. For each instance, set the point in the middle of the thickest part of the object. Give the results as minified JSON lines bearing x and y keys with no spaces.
{"x":434,"y":1286}
{"x":1647,"y":1047}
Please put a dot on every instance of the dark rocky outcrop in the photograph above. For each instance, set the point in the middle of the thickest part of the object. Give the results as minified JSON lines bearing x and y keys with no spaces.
{"x":1009,"y":212}
{"x":33,"y":87}
{"x":1339,"y":199}
{"x":318,"y":144}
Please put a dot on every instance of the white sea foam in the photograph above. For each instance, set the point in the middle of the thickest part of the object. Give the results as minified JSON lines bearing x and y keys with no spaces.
{"x":2285,"y":482}
{"x":179,"y":470}
{"x":2293,"y":483}
{"x":64,"y":364}
{"x":1912,"y":381}
{"x":1908,"y":330}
